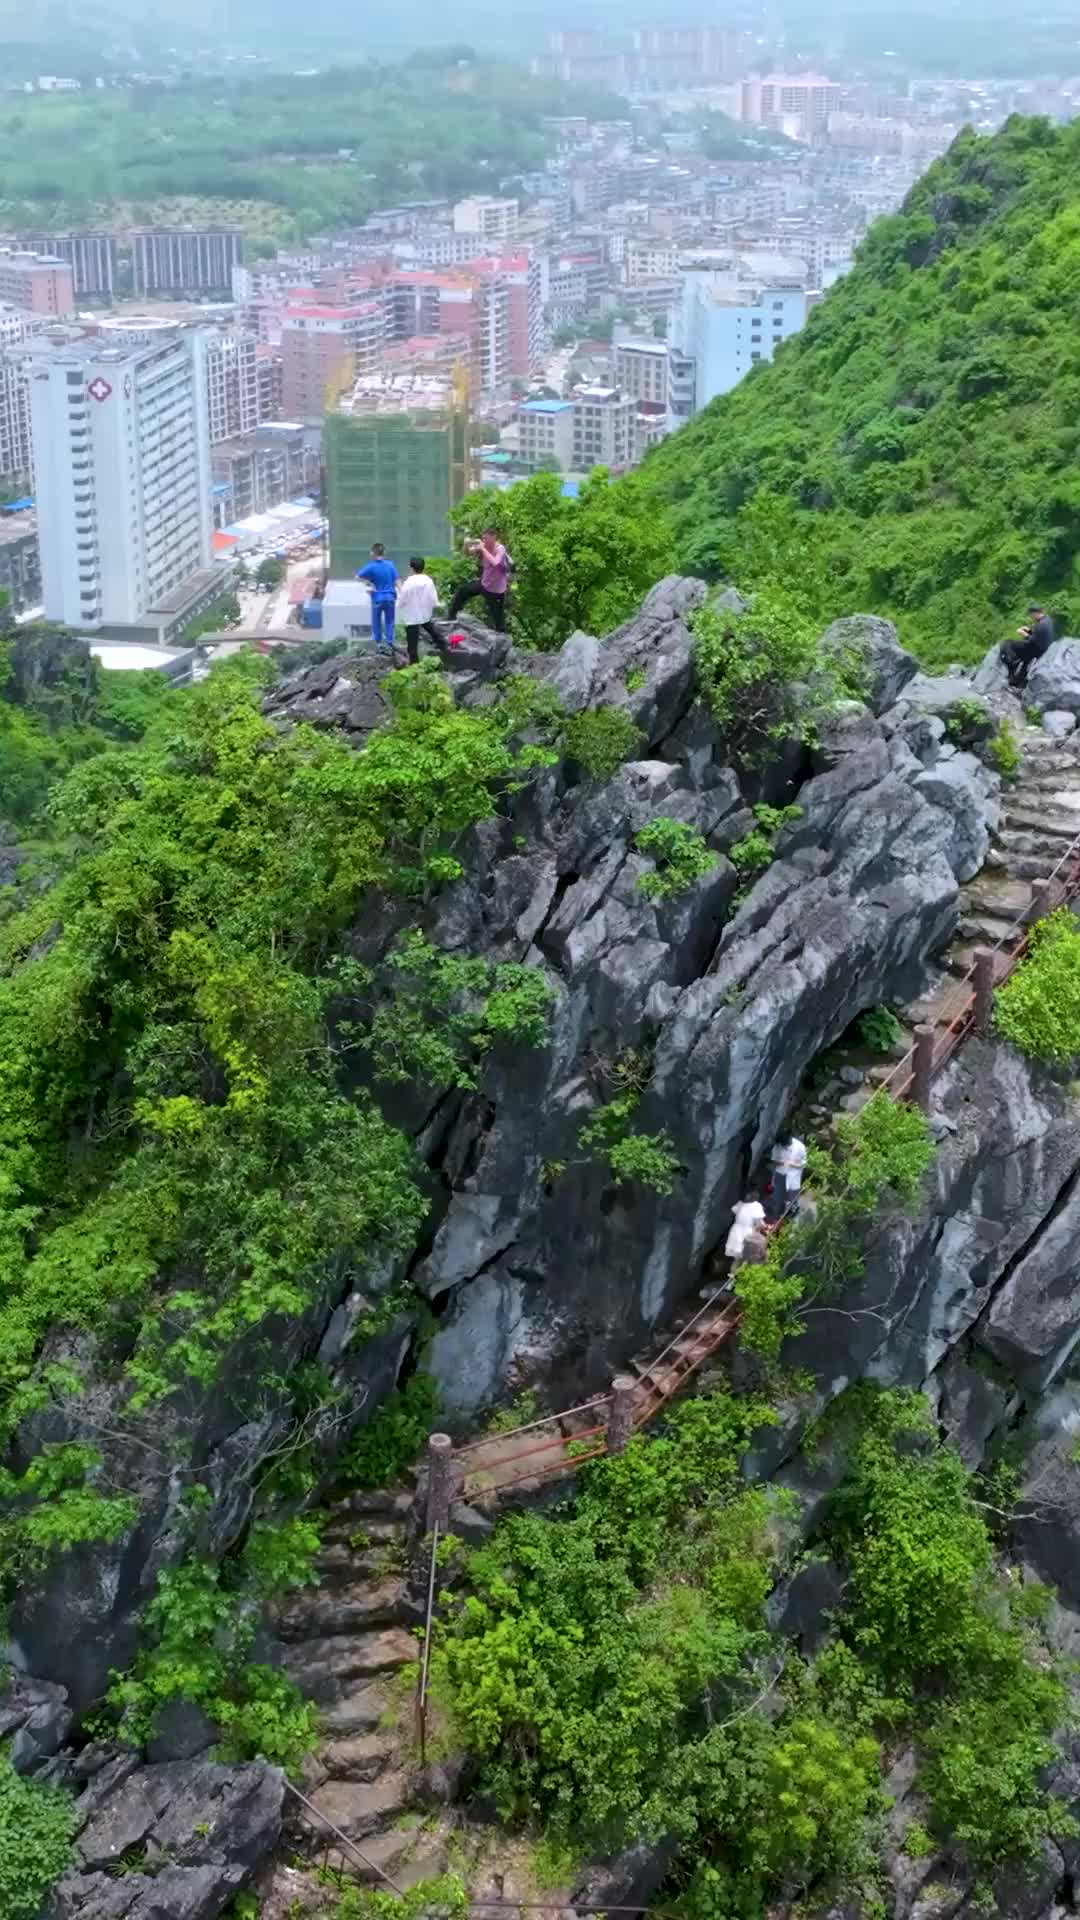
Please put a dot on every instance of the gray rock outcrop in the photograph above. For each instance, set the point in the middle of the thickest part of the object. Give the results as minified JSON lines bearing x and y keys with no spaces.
{"x":186,"y":1838}
{"x":1054,"y":681}
{"x":873,"y":642}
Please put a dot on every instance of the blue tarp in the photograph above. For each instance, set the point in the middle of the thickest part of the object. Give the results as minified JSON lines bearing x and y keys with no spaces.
{"x":18,"y":506}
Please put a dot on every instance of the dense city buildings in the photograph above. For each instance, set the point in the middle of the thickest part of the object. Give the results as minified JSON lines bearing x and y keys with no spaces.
{"x":122,"y":472}
{"x":38,"y":283}
{"x":261,"y":471}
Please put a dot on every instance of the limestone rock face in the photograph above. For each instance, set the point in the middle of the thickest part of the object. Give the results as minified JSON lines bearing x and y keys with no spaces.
{"x":874,"y":642}
{"x":1054,"y":681}
{"x":539,"y":1266}
{"x":190,"y":1835}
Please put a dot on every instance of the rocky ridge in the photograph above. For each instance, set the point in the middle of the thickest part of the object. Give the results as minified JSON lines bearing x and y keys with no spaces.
{"x":555,"y":1280}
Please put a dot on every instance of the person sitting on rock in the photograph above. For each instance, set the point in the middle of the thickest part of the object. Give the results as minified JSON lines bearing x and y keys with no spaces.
{"x":1031,"y":643}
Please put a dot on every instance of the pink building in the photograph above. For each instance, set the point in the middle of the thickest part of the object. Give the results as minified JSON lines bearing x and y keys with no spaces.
{"x":37,"y":282}
{"x":323,"y":349}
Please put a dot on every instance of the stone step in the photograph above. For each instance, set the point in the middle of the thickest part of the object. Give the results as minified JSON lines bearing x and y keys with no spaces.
{"x":1004,"y":899}
{"x":1014,"y":840}
{"x":361,"y":1530}
{"x":383,"y":1503}
{"x":1033,"y":866}
{"x":984,"y":929}
{"x":322,"y":1667}
{"x":322,"y":1612}
{"x":1045,"y":821}
{"x":360,"y":1756}
{"x":358,"y":1808}
{"x":340,"y":1564}
{"x":402,"y":1853}
{"x":357,"y":1710}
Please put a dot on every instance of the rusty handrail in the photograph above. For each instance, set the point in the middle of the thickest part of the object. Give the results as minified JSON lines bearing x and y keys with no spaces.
{"x":492,"y":1439}
{"x":421,"y":1698}
{"x":1019,"y":925}
{"x":342,"y":1839}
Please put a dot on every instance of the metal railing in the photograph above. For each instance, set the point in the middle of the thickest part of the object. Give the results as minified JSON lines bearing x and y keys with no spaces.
{"x":339,"y":1843}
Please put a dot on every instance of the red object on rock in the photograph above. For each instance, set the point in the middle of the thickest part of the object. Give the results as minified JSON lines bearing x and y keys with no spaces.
{"x":456,"y":639}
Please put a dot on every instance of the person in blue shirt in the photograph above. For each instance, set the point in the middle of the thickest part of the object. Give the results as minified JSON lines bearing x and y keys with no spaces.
{"x":381,"y":578}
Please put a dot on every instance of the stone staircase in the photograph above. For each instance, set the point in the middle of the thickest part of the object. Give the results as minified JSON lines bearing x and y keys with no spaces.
{"x":346,"y":1643}
{"x":1040,"y":816}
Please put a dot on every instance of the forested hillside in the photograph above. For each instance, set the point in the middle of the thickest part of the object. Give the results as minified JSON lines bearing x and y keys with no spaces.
{"x":307,"y":148}
{"x":914,"y":450}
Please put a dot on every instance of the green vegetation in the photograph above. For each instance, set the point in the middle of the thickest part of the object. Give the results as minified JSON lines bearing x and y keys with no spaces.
{"x":680,"y":857}
{"x":948,"y":1643}
{"x":1038,"y":1008}
{"x":37,"y":1824}
{"x":753,"y":853}
{"x":611,"y":1673}
{"x":913,"y":450}
{"x":600,"y":739}
{"x":201,"y":1626}
{"x":285,"y":155}
{"x":1004,"y":752}
{"x":573,"y":1665}
{"x":578,"y":564}
{"x":765,"y":676}
{"x":444,"y":1011}
{"x":879,"y":1029}
{"x":645,"y":1159}
{"x":178,"y":1164}
{"x":394,"y":1436}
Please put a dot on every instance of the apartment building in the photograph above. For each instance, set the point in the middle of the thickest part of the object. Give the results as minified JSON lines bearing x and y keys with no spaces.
{"x":323,"y":349}
{"x":16,"y":456}
{"x":647,"y":257}
{"x":171,"y":261}
{"x":261,"y":471}
{"x":604,"y":429}
{"x":38,"y":283}
{"x":20,"y":561}
{"x":122,"y":465}
{"x":492,"y":221}
{"x":545,"y":430}
{"x":94,"y":258}
{"x":232,"y":383}
{"x":642,"y":369}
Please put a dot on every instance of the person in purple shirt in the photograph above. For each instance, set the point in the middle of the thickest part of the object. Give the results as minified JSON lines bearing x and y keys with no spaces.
{"x":492,"y":581}
{"x":381,"y":577}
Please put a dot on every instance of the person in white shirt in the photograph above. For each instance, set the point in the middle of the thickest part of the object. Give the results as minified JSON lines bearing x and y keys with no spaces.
{"x":749,"y":1215}
{"x":418,"y":597}
{"x":788,"y":1160}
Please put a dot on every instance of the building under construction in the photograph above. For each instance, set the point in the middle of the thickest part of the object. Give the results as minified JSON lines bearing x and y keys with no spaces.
{"x":397,"y":459}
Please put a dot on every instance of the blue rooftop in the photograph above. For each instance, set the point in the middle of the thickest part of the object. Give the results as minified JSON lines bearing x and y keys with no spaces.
{"x":545,"y":406}
{"x":569,"y":489}
{"x":18,"y":506}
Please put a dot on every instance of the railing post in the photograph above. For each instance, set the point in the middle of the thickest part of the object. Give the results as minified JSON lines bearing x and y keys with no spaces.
{"x":440,"y":1482}
{"x":621,"y":1412}
{"x":984,"y":989}
{"x":923,"y":1070}
{"x":1042,"y":893}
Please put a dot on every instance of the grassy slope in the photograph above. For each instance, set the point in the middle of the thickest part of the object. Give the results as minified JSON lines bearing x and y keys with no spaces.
{"x":915,"y":450}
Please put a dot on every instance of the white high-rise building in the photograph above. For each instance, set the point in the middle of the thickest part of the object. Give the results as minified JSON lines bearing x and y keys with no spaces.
{"x":122,"y":475}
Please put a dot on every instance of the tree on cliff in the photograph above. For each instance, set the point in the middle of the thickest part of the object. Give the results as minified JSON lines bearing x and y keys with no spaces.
{"x":578,"y":563}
